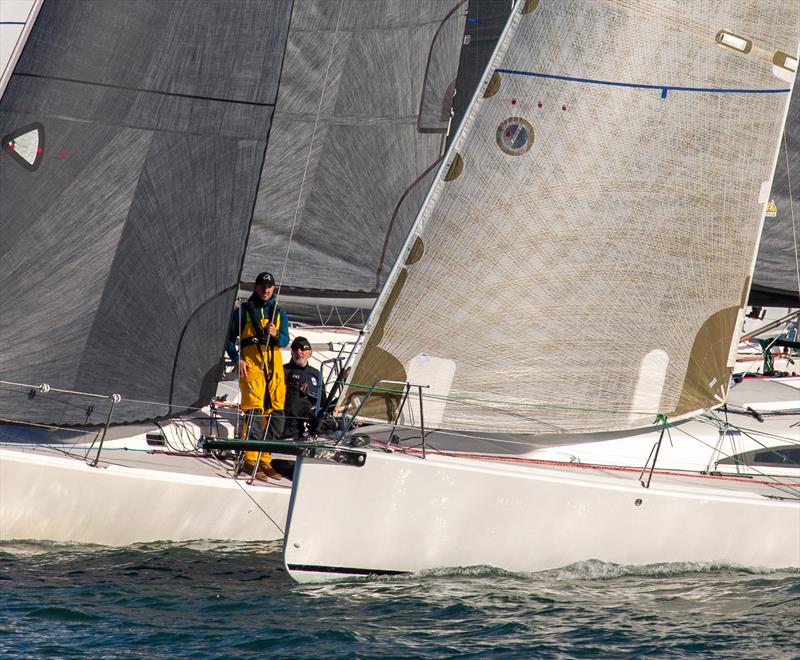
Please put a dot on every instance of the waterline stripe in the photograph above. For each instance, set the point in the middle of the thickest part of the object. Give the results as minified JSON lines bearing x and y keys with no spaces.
{"x":662,"y":88}
{"x":338,"y":569}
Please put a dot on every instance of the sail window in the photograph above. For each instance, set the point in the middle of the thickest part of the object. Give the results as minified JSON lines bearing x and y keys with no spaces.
{"x":734,"y":41}
{"x":25,"y":145}
{"x":515,"y":136}
{"x":650,"y":384}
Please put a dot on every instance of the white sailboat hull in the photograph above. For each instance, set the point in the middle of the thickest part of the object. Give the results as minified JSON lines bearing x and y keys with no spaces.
{"x":48,"y":492}
{"x":400,"y":513}
{"x":64,"y":499}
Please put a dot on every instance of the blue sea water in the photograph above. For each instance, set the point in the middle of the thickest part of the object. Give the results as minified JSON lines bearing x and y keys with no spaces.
{"x":222,"y":600}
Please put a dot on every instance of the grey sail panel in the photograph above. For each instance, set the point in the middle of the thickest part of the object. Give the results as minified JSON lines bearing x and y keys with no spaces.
{"x":610,"y":205}
{"x":122,"y":250}
{"x":385,"y":72}
{"x":775,"y":280}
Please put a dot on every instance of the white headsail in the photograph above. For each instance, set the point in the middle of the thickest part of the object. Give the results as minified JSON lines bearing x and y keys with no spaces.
{"x":607,"y":188}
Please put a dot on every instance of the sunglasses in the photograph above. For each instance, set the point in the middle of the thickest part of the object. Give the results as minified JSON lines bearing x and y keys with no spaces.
{"x":301,"y":348}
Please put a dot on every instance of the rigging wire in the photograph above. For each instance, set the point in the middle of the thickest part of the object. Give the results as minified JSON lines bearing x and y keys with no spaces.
{"x":777,"y":483}
{"x":222,"y":465}
{"x":606,"y":468}
{"x":712,"y":420}
{"x":791,"y":208}
{"x":260,"y":508}
{"x":747,"y":432}
{"x":478,"y":401}
{"x":308,"y":155}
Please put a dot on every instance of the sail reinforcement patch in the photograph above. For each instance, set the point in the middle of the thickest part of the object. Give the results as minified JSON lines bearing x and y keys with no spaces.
{"x":784,"y":66}
{"x":493,"y":86}
{"x":515,"y":136}
{"x":25,"y":145}
{"x":731,"y":40}
{"x":456,"y":167}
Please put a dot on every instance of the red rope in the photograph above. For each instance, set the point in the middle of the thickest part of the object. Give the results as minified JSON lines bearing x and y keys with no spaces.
{"x":592,"y":466}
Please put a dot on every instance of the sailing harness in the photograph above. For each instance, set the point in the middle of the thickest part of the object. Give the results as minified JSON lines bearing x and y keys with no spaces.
{"x":268,"y":361}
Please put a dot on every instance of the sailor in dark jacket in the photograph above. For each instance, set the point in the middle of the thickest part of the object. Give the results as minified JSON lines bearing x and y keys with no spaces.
{"x":304,"y":389}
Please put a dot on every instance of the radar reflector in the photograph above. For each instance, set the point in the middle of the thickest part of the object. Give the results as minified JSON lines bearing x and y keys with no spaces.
{"x":25,"y":145}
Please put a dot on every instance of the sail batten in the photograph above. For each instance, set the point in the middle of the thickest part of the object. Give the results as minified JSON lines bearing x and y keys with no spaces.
{"x":594,"y":224}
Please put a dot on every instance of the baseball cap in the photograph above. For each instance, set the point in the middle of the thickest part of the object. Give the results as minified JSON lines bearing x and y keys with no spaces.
{"x":301,"y":343}
{"x":266,"y":279}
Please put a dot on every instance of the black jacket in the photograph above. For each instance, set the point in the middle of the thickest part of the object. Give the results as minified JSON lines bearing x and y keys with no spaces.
{"x":302,"y":385}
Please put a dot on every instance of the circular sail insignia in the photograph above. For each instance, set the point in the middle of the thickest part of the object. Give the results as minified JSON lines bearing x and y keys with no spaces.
{"x":515,"y":136}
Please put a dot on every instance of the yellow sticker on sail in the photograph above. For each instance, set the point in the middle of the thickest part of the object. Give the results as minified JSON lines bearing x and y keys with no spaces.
{"x":772,"y":210}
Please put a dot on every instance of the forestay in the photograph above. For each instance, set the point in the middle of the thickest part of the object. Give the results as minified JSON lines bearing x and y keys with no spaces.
{"x":607,"y":187}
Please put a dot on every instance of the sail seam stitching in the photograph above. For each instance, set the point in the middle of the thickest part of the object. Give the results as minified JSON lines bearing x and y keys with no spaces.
{"x":310,"y":150}
{"x":266,"y":147}
{"x":147,"y":91}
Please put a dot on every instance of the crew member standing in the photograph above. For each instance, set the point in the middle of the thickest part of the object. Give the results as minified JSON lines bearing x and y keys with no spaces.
{"x":262,"y":329}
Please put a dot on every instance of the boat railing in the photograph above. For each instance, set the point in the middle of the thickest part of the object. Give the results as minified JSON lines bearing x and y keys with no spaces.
{"x":395,"y":421}
{"x":334,"y":367}
{"x":45,"y":388}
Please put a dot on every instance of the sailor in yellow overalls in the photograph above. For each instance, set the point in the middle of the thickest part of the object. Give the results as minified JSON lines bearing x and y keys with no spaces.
{"x":262,"y":330}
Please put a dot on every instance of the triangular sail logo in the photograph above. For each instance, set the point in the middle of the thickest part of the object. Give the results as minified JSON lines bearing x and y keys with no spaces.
{"x":772,"y":210}
{"x":25,"y":145}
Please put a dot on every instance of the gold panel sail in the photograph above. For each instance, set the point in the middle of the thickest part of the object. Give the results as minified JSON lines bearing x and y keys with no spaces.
{"x":590,"y":278}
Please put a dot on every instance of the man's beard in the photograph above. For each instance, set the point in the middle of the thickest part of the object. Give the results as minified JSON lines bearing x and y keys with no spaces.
{"x":300,"y":361}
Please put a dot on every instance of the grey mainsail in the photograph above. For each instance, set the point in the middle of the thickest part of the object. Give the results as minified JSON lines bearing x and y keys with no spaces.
{"x":121,"y":252}
{"x":581,"y":263}
{"x":776,"y":281}
{"x":371,"y":85}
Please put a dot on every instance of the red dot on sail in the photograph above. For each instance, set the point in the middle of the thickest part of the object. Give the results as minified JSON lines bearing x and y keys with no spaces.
{"x":539,"y":104}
